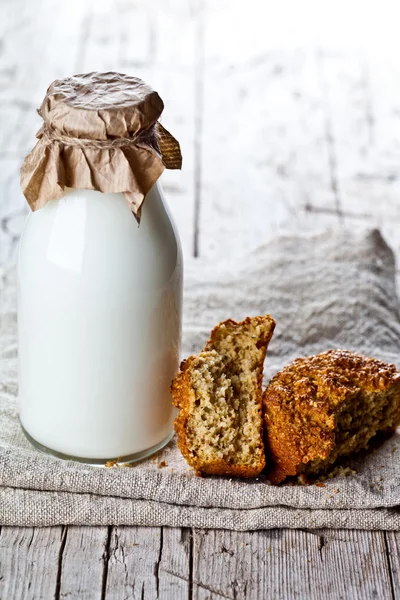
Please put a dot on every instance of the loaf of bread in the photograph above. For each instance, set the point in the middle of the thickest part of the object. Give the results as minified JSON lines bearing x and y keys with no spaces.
{"x":219,"y":396}
{"x":326,"y":406}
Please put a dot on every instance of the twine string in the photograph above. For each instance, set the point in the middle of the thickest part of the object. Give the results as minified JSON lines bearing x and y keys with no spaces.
{"x":147,"y":137}
{"x":156,"y":137}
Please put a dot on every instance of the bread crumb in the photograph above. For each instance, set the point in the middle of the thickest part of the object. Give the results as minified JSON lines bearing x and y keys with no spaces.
{"x":113,"y":463}
{"x":162,"y":464}
{"x":302,"y":479}
{"x":338,"y":471}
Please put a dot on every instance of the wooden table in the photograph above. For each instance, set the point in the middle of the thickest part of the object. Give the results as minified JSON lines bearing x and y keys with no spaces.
{"x":289,"y":119}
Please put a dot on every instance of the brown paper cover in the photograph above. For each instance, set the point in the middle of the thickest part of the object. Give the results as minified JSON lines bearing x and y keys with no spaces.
{"x":100,"y":132}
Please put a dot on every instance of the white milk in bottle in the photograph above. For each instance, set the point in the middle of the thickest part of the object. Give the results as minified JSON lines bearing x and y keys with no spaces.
{"x":100,"y":274}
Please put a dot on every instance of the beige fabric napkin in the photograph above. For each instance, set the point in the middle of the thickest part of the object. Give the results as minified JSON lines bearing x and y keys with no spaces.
{"x":327,"y":291}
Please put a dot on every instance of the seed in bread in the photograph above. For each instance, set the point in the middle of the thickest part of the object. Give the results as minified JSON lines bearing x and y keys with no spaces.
{"x":218,"y":393}
{"x":326,"y":406}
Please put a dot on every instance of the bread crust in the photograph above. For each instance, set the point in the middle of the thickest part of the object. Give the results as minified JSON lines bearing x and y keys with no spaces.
{"x":183,"y":397}
{"x":317,"y":389}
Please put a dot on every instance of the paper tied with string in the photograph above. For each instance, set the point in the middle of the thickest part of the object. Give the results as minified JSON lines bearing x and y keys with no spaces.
{"x":100,"y":132}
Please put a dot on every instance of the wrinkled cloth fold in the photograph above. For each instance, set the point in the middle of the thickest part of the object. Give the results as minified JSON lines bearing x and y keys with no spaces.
{"x":332,"y":290}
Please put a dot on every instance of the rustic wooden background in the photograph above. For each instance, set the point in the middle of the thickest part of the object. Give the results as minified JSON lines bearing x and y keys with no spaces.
{"x":288,"y":115}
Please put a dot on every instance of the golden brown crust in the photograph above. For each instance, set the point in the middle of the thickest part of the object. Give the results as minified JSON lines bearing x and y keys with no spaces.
{"x":303,"y":401}
{"x":183,"y":395}
{"x":182,"y":392}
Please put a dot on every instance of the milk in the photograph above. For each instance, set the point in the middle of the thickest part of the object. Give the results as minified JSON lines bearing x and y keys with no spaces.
{"x":99,"y":325}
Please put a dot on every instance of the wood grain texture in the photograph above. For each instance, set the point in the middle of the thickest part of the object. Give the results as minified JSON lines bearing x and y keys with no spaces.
{"x":304,"y":131}
{"x":148,"y":563}
{"x":83,"y":563}
{"x":365,"y":136}
{"x":30,"y":562}
{"x":392,"y":539}
{"x":288,"y":564}
{"x":139,"y":562}
{"x":266,"y":161}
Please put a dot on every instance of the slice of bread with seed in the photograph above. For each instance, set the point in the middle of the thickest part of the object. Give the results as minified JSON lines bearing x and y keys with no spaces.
{"x":218,"y":393}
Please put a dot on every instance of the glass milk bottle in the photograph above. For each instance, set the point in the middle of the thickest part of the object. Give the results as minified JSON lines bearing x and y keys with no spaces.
{"x":100,"y":274}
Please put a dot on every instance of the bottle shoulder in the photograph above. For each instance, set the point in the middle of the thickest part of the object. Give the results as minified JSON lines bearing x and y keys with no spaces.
{"x":87,"y":231}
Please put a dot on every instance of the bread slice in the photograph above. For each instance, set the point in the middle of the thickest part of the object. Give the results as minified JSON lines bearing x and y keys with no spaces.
{"x":219,"y":396}
{"x":326,"y":406}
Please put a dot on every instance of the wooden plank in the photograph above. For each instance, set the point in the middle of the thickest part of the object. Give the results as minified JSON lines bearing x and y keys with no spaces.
{"x":286,"y":564}
{"x":356,"y":564}
{"x":83,"y":563}
{"x":264,"y":152}
{"x":393,"y":552}
{"x":148,"y":562}
{"x":365,"y":129}
{"x":29,"y":562}
{"x":156,"y":41}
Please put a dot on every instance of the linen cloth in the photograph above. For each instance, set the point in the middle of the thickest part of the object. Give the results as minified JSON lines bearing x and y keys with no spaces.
{"x":333,"y":290}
